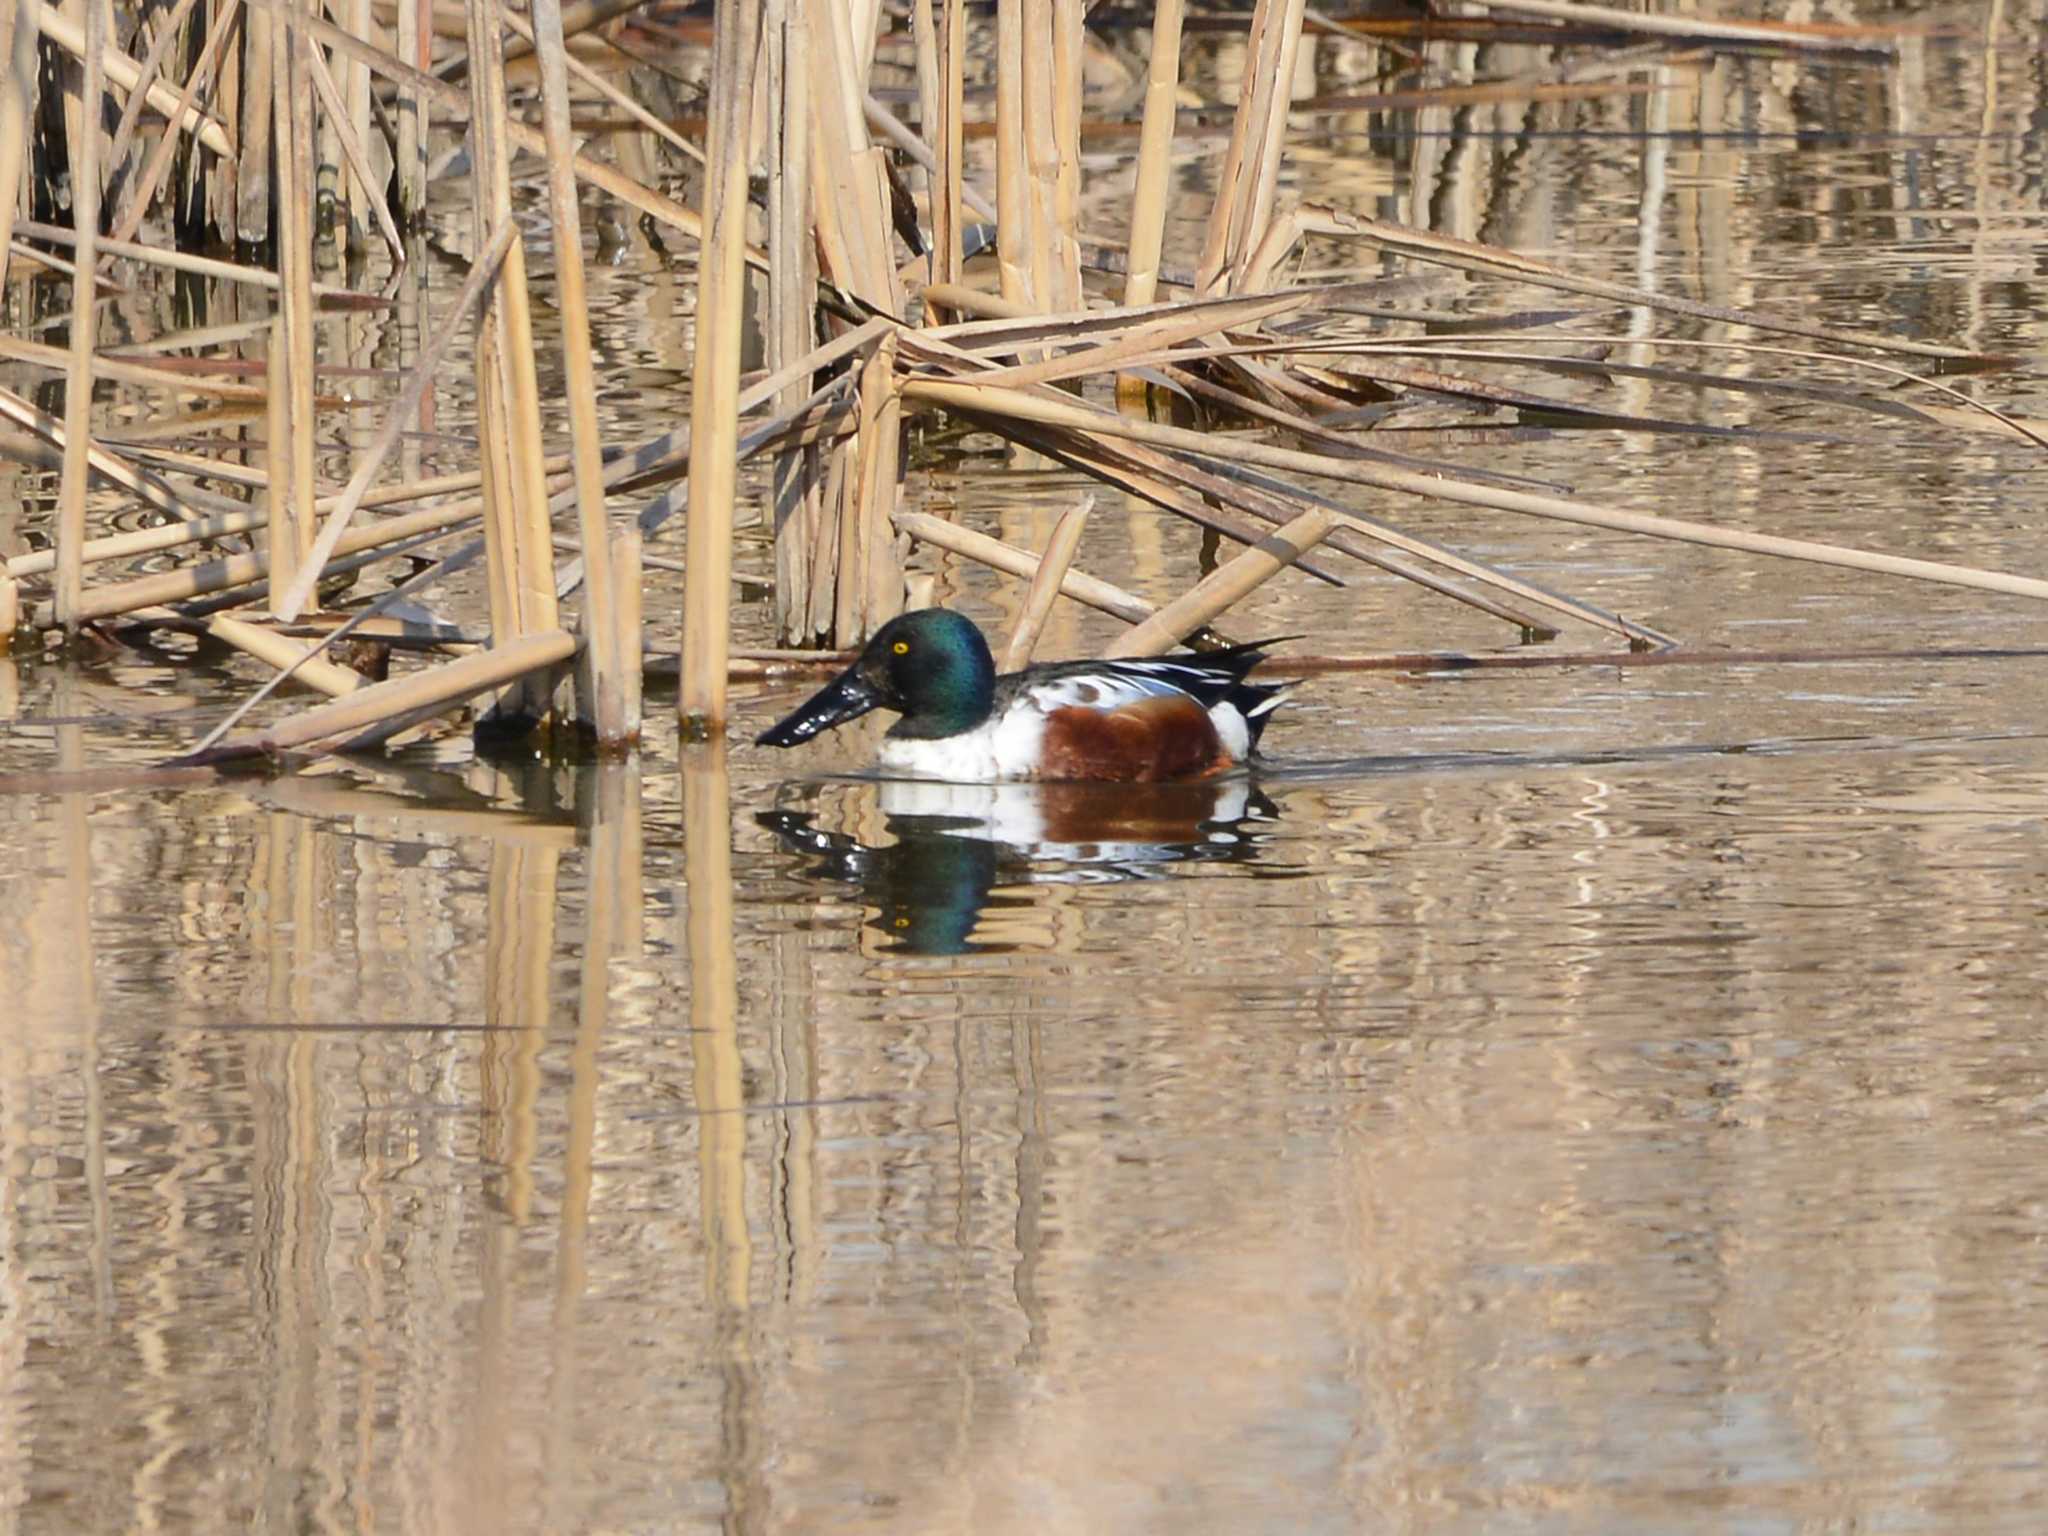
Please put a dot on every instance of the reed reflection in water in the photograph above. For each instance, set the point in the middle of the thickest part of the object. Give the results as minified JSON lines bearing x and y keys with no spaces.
{"x":1462,"y":1149}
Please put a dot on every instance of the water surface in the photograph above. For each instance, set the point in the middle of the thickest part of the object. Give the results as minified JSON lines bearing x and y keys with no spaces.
{"x":1581,"y":1099}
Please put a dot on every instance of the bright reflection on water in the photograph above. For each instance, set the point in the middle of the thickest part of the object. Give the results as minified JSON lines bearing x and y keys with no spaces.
{"x":1579,"y":1100}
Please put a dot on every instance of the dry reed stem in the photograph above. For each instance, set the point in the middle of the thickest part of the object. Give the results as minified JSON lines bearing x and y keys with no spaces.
{"x":792,"y":306}
{"x":119,"y":546}
{"x":282,"y":652}
{"x":435,"y":689}
{"x":1036,"y":112}
{"x":1497,"y":261}
{"x":1224,"y":211}
{"x":292,"y":417}
{"x":1147,"y":341}
{"x":85,"y":215}
{"x":604,"y":88}
{"x":881,"y":469}
{"x":603,"y":664}
{"x":997,"y":555}
{"x":967,"y":396}
{"x":1227,"y":584}
{"x":166,"y":28}
{"x":947,"y":139}
{"x":1067,"y":92}
{"x":124,"y":74}
{"x":368,"y":188}
{"x":1155,"y":155}
{"x":924,"y":37}
{"x":239,"y":570}
{"x":897,"y":132}
{"x":850,"y":200}
{"x":253,"y":201}
{"x":41,"y":355}
{"x":604,"y":177}
{"x":22,"y":25}
{"x":220,"y":188}
{"x":367,"y":185}
{"x":1612,"y":18}
{"x":1968,"y":414}
{"x":517,"y":532}
{"x":135,"y":197}
{"x":110,"y":466}
{"x":622,"y":727}
{"x":975,"y":301}
{"x":1013,"y":180}
{"x":1274,"y":502}
{"x":202,"y":266}
{"x":1045,"y":585}
{"x":413,"y":37}
{"x":1277,"y":86}
{"x":418,"y":381}
{"x":714,"y":404}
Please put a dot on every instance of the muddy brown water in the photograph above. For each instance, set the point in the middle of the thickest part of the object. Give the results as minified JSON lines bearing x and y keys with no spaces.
{"x":1591,"y":1100}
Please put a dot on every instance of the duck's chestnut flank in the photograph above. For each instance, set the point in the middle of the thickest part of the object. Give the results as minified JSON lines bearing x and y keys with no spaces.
{"x":1174,"y":717}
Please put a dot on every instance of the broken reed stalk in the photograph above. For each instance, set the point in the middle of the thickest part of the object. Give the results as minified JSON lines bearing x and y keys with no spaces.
{"x":236,"y":570}
{"x":714,"y":404}
{"x":1697,"y":29}
{"x":109,"y":466}
{"x":1244,"y":191}
{"x":135,"y":197}
{"x":85,"y":216}
{"x":401,"y":411}
{"x":997,"y":555}
{"x":1498,"y":261}
{"x":464,"y":678}
{"x":850,"y":201}
{"x":123,"y":74}
{"x":608,"y":178}
{"x":1227,"y":584}
{"x":603,"y":669}
{"x":1155,"y":152}
{"x":152,"y":61}
{"x":1045,"y":585}
{"x":1028,"y":407}
{"x":197,"y":530}
{"x":284,"y":653}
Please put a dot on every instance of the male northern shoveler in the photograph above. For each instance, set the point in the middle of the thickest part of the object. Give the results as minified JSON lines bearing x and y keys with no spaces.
{"x":1179,"y":717}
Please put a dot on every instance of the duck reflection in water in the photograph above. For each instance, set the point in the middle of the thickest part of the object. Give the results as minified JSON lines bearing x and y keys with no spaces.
{"x":955,"y":845}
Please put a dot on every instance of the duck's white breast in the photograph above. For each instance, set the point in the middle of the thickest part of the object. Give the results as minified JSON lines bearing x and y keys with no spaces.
{"x":1005,"y":747}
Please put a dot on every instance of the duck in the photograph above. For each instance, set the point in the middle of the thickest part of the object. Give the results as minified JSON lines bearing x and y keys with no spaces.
{"x":1186,"y":716}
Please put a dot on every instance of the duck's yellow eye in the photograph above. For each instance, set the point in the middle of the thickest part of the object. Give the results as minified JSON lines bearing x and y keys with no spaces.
{"x":901,"y":647}
{"x":902,"y":922}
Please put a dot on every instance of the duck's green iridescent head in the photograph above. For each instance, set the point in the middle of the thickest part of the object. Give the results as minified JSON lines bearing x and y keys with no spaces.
{"x":932,"y":666}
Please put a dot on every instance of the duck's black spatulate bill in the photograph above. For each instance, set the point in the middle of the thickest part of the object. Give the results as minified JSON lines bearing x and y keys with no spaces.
{"x":847,"y":697}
